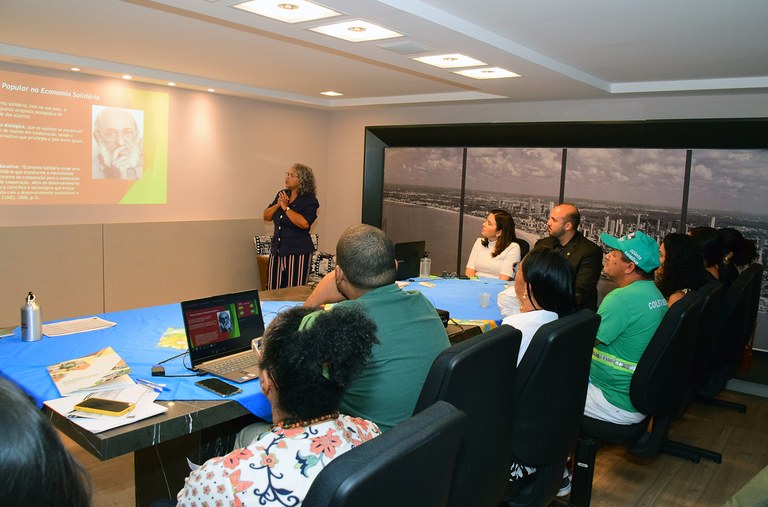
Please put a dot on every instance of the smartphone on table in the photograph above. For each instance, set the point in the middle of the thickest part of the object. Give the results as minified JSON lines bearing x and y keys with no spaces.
{"x":104,"y":406}
{"x":219,"y":387}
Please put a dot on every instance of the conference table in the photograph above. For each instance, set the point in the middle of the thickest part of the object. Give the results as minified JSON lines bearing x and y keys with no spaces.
{"x":198,"y":425}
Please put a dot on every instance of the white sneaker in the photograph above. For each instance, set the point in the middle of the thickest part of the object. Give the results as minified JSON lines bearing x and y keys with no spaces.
{"x":565,"y":486}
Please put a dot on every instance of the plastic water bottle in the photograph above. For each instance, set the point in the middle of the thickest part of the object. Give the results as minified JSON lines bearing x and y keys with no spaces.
{"x":425,"y":266}
{"x":31,"y":320}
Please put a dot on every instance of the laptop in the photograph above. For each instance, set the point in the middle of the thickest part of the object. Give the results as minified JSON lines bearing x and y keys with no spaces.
{"x":219,"y":334}
{"x":408,"y":256}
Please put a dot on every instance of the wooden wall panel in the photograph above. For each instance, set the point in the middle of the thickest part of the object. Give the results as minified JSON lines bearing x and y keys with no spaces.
{"x":78,"y":270}
{"x":62,"y":265}
{"x":150,"y":264}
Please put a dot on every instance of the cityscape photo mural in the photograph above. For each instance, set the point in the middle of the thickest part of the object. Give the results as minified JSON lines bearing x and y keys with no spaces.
{"x":617,"y":190}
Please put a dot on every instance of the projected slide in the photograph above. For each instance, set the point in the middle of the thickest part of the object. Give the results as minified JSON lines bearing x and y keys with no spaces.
{"x":69,"y":142}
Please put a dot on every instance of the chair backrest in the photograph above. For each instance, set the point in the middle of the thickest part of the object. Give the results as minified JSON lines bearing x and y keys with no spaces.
{"x":524,"y":246}
{"x":754,"y":302}
{"x":551,"y":388}
{"x":478,"y":377}
{"x":711,"y":309}
{"x":661,"y":375}
{"x":411,"y":464}
{"x":706,"y":333}
{"x":735,"y":325}
{"x":263,"y":244}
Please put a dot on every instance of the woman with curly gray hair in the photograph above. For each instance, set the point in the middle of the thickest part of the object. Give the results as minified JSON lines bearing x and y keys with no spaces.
{"x":293,"y":211}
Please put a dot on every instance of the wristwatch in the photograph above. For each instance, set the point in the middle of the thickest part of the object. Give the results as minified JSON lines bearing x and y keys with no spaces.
{"x":287,"y":208}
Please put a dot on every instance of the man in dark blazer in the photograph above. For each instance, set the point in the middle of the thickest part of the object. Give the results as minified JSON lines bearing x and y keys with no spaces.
{"x":584,"y":256}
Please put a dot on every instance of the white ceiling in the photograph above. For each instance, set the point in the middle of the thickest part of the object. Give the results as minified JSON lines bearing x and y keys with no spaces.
{"x":563,"y":49}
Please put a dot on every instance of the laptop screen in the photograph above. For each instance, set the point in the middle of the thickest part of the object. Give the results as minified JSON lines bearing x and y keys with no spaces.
{"x":408,"y":256}
{"x":219,"y":326}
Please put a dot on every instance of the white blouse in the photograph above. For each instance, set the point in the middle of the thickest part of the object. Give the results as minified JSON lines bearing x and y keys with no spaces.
{"x":488,"y":266}
{"x":528,"y":323}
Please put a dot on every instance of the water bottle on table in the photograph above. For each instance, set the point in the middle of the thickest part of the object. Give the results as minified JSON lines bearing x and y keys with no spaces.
{"x":425,"y":266}
{"x":31,"y":320}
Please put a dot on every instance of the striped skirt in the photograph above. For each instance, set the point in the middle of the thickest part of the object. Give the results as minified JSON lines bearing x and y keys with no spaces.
{"x":288,"y":270}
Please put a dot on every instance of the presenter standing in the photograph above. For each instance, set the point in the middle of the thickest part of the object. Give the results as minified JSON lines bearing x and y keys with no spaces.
{"x":293,"y":211}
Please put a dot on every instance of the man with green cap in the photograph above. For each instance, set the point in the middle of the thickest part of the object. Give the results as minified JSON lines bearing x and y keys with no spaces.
{"x":629,"y":315}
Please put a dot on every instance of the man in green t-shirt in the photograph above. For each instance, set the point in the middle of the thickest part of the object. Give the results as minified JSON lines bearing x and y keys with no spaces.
{"x":410,"y":332}
{"x":629,"y":315}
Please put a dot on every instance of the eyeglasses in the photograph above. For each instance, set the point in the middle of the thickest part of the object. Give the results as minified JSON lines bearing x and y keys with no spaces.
{"x":111,"y":135}
{"x":256,"y":346}
{"x":291,"y":175}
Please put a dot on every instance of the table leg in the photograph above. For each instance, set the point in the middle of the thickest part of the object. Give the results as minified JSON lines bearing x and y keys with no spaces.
{"x":160,"y":470}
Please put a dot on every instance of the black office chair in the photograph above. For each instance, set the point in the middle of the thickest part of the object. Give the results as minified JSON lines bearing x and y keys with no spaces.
{"x":712,"y":294}
{"x":411,"y":464}
{"x":738,"y":318}
{"x":524,"y":246}
{"x":550,"y":391}
{"x":656,"y":390}
{"x":478,"y":377}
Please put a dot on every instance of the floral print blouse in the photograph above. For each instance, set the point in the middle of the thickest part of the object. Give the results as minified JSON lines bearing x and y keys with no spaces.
{"x":276,"y":469}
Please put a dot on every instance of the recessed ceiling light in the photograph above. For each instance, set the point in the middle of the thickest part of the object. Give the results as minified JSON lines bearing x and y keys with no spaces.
{"x":487,"y":73}
{"x":288,"y":11}
{"x":127,"y":76}
{"x":212,"y":90}
{"x":331,"y":93}
{"x":75,"y":69}
{"x":450,"y":61}
{"x":171,"y":83}
{"x":356,"y":30}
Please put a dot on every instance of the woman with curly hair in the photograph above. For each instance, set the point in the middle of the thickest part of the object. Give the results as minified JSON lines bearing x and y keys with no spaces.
{"x":682,"y":267}
{"x":495,"y":253}
{"x":293,"y":212}
{"x":307,"y":358}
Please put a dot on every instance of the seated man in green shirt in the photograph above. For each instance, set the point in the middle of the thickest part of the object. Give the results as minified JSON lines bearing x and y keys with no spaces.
{"x":629,"y":315}
{"x":409,"y":330}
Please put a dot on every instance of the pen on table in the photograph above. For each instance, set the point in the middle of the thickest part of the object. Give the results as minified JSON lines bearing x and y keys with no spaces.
{"x":157,"y":387}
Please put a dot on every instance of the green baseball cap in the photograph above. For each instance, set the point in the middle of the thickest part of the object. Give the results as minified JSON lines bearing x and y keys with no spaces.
{"x":638,"y":247}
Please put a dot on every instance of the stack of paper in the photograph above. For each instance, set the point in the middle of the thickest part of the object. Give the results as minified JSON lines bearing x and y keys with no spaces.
{"x":99,"y":371}
{"x":142,"y":396}
{"x":76,"y":326}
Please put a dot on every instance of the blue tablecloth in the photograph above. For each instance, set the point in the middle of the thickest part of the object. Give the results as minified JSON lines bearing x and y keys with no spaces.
{"x":137,"y":335}
{"x":461,"y":297}
{"x":135,"y":338}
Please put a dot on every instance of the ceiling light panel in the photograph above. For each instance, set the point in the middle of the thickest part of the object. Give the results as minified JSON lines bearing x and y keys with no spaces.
{"x":487,"y":73}
{"x":288,"y":11}
{"x":357,"y":30}
{"x":450,"y":61}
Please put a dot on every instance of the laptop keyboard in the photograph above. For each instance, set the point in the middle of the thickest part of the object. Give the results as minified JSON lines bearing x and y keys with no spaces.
{"x":231,"y":364}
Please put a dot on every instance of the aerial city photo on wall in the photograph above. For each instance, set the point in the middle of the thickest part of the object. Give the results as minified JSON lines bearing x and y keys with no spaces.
{"x":617,"y":191}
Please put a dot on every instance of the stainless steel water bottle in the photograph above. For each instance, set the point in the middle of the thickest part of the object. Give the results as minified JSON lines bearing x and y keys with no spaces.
{"x":425,"y":266}
{"x":31,"y":320}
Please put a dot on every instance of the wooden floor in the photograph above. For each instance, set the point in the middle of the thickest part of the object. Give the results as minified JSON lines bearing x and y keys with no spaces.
{"x":620,"y":478}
